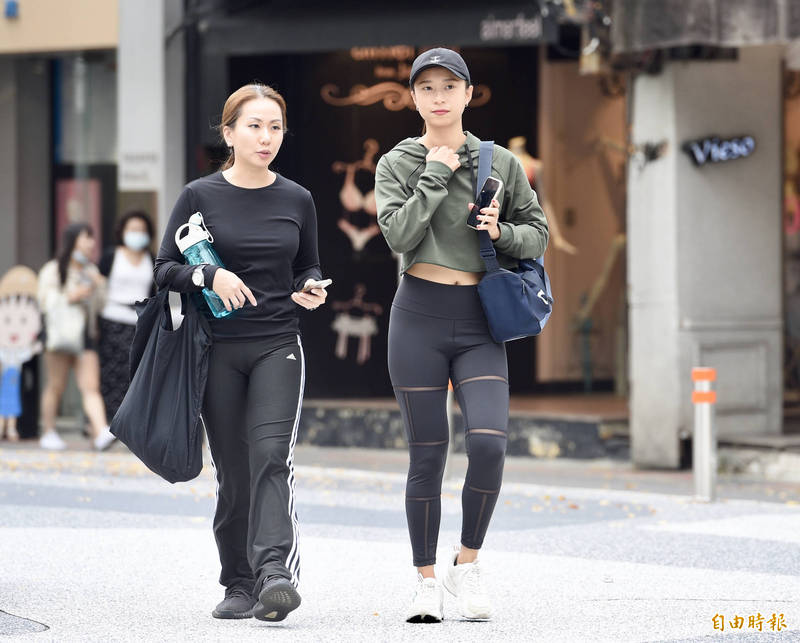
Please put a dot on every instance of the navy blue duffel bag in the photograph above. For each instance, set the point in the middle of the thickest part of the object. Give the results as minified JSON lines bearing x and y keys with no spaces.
{"x":517,"y":303}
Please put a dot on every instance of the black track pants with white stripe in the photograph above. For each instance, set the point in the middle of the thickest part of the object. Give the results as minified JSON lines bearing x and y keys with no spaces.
{"x":251,"y":411}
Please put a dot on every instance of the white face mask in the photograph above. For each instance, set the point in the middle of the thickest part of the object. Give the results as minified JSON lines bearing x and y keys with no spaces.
{"x":81,"y":258}
{"x":136,"y":240}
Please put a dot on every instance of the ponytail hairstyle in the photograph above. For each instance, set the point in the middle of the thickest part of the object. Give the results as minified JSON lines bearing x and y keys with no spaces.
{"x":233,"y":109}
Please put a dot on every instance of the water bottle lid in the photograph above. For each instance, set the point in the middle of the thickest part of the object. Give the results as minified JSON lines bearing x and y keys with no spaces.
{"x":195,"y":233}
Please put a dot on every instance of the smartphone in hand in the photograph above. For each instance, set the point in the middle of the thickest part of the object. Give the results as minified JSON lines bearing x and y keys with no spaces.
{"x":491,"y":187}
{"x":322,"y":283}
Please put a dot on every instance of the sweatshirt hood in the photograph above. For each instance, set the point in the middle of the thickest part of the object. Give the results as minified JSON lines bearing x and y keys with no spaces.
{"x":416,"y":150}
{"x":410,"y":154}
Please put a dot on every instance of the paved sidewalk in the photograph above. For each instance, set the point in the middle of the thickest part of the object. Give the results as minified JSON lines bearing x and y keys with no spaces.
{"x":96,"y":548}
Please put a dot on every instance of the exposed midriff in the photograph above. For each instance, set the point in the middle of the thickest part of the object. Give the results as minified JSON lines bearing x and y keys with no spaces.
{"x":444,"y":275}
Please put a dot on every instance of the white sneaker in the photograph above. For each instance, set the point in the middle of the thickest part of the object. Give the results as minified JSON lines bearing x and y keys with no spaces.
{"x":104,"y":439}
{"x":465,"y":583}
{"x":52,"y":441}
{"x":428,"y":600}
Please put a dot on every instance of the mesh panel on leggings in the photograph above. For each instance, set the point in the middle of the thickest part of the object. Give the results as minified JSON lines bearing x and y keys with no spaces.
{"x":486,"y":449}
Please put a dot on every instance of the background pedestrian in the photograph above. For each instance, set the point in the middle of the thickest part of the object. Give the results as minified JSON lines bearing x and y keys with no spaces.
{"x":128,"y":267}
{"x":71,"y":293}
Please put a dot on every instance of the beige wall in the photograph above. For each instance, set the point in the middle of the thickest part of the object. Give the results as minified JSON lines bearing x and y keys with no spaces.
{"x":704,"y":258}
{"x":584,"y":187}
{"x":60,"y":25}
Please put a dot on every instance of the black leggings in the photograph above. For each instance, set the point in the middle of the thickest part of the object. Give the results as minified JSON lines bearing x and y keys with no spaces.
{"x":251,"y":412}
{"x":439,"y":332}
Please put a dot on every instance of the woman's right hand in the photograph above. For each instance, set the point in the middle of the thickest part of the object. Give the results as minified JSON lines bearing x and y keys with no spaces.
{"x":231,"y":289}
{"x":79,"y":293}
{"x":445,"y":155}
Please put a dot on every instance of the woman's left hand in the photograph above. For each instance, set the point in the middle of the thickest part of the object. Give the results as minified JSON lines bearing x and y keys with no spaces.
{"x":488,"y":219}
{"x":310,"y":299}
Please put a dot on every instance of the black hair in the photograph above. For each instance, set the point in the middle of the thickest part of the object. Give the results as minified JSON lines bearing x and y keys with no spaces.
{"x":123,"y":221}
{"x":68,"y":239}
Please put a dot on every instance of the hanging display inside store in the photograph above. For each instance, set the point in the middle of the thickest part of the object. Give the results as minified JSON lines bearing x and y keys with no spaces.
{"x":360,"y":107}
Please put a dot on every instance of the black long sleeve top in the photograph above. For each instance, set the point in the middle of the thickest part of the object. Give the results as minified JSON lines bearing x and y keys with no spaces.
{"x":267,"y":236}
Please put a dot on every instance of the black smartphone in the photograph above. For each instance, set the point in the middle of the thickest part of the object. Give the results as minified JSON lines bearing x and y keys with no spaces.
{"x":489,"y":190}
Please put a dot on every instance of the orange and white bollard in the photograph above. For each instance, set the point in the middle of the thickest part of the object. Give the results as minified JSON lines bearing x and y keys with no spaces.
{"x":704,"y":442}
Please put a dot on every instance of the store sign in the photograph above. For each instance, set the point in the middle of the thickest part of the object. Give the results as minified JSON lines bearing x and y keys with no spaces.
{"x":716,"y":150}
{"x":140,"y":170}
{"x":520,"y":28}
{"x":270,"y":28}
{"x":392,"y":68}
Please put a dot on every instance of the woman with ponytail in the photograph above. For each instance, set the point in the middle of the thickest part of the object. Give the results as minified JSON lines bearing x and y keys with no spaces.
{"x":264,"y":228}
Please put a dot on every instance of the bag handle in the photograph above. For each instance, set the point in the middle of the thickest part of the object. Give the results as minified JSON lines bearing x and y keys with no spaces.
{"x":167,"y":310}
{"x":488,"y":253}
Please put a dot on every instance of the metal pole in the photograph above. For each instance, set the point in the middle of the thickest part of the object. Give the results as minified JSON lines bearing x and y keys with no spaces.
{"x":704,"y":443}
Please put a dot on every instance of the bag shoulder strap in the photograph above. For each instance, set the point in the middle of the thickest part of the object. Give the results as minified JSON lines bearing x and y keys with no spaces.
{"x":488,"y":253}
{"x":484,"y":164}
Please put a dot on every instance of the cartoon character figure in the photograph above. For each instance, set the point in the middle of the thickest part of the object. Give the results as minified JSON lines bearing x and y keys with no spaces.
{"x":361,"y":326}
{"x":354,"y":201}
{"x":20,"y":325}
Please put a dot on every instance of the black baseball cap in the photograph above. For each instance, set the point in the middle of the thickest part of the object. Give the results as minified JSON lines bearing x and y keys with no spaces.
{"x":439,"y":57}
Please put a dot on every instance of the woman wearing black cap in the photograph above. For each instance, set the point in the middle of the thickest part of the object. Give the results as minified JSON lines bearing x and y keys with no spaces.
{"x":424,"y":189}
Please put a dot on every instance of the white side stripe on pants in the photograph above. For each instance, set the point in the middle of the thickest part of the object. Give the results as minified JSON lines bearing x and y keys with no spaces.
{"x":293,"y":559}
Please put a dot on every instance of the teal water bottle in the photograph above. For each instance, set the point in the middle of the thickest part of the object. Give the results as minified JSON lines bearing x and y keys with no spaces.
{"x":196,"y":246}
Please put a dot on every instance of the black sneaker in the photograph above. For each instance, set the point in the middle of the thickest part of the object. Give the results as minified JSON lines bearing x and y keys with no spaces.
{"x":277,"y":598}
{"x":237,"y":604}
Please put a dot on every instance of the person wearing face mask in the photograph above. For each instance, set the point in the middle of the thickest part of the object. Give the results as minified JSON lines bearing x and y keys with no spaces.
{"x":71,"y":293}
{"x":128,"y":267}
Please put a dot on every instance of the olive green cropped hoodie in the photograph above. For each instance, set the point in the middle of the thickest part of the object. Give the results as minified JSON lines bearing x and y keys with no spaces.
{"x":422,"y":208}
